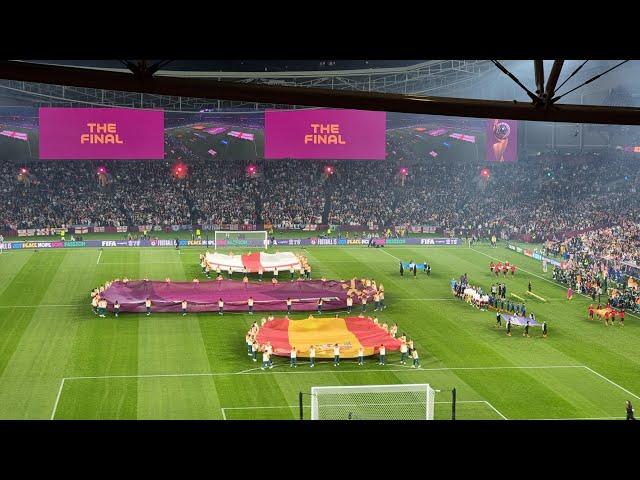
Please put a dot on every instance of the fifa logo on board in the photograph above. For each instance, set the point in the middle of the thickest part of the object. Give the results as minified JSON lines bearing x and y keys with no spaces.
{"x":101,"y":133}
{"x":324,"y":134}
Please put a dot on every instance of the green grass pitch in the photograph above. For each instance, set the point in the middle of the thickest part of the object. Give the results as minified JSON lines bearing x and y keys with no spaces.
{"x":58,"y":360}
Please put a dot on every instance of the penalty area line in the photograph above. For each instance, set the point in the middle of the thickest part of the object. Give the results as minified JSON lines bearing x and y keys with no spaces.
{"x":328,"y":370}
{"x":55,"y":406}
{"x":611,"y":382}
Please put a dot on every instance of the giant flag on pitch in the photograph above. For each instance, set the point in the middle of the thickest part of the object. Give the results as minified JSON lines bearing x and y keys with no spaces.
{"x":349,"y":333}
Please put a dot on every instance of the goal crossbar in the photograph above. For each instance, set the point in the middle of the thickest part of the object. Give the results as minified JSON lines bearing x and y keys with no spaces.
{"x":240,"y":238}
{"x":383,"y":402}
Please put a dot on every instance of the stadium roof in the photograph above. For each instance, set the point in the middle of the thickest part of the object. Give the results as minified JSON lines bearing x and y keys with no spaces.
{"x":468,"y":88}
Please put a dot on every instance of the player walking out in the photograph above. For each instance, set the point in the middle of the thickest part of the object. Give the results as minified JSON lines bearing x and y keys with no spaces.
{"x":116,"y":308}
{"x":544,"y":329}
{"x":289,"y":305}
{"x":147,"y":304}
{"x":220,"y":306}
{"x":383,"y":353}
{"x":184,"y":307}
{"x":526,"y":330}
{"x":498,"y":320}
{"x":254,"y":350}
{"x":349,"y":303}
{"x":509,"y":328}
{"x":294,"y":355}
{"x":336,"y":355}
{"x":319,"y":304}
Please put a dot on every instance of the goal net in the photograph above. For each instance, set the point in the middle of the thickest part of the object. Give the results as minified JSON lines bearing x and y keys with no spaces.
{"x":373,"y":402}
{"x":231,"y":238}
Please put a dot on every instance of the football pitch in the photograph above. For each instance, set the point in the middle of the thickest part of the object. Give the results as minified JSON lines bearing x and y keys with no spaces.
{"x":60,"y":361}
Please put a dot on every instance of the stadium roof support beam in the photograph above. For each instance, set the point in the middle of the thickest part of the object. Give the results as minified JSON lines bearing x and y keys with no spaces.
{"x":539,"y":71}
{"x":554,"y":75}
{"x":214,"y":89}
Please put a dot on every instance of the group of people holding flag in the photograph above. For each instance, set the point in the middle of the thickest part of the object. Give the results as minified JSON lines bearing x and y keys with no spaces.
{"x":607,"y":313}
{"x":254,"y":348}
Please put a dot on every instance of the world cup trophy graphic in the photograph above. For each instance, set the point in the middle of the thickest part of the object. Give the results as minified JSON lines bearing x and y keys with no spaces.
{"x":501,"y":132}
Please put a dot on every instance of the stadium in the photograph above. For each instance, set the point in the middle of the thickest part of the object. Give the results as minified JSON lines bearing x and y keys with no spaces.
{"x":314,"y":241}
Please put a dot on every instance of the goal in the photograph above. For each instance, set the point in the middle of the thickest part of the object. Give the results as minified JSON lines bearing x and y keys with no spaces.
{"x":373,"y":402}
{"x":235,"y":238}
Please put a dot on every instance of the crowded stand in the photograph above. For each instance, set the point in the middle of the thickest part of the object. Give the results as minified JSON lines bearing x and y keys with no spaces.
{"x":544,"y":198}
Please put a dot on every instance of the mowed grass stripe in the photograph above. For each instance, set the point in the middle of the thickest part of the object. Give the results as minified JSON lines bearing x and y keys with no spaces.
{"x":38,"y":359}
{"x":170,"y":343}
{"x":106,"y":346}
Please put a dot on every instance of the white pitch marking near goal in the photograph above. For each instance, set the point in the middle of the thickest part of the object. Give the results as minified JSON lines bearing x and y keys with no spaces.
{"x":250,"y":372}
{"x":55,"y":407}
{"x":611,"y":382}
{"x":280,"y":407}
{"x":99,"y":255}
{"x":333,"y":371}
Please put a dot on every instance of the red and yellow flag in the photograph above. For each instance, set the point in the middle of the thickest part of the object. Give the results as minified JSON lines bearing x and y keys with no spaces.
{"x":349,"y":333}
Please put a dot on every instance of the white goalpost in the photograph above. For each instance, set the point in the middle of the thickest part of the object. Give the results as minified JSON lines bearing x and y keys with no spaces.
{"x":373,"y":402}
{"x":239,"y":238}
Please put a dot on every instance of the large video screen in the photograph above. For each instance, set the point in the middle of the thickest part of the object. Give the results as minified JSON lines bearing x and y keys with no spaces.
{"x":502,"y":140}
{"x":101,"y":133}
{"x":326,"y":134}
{"x":250,"y":135}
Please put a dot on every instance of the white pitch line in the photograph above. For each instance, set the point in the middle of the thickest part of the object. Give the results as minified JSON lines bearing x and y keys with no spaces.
{"x":495,"y":409}
{"x":611,"y":382}
{"x":159,"y":375}
{"x":384,"y":251}
{"x":224,"y":416}
{"x":99,"y":255}
{"x":308,"y":406}
{"x":519,"y":268}
{"x":55,"y":406}
{"x":584,"y":418}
